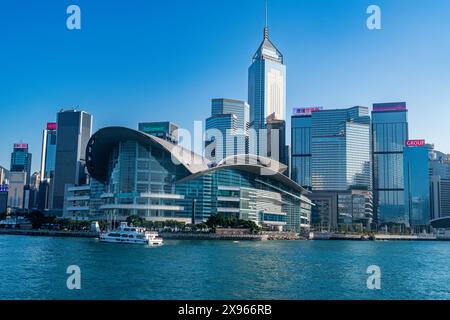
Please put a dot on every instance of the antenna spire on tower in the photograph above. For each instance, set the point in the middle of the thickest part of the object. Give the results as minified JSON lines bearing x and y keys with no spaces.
{"x":266,"y":26}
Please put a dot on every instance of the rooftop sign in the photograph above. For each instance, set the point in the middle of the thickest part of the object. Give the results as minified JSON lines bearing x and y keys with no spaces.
{"x":51,"y":126}
{"x":20,"y":145}
{"x":306,"y":111}
{"x":415,"y":143}
{"x":395,"y":106}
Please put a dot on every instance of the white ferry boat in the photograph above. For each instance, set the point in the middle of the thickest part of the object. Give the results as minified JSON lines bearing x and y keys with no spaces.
{"x":131,"y":235}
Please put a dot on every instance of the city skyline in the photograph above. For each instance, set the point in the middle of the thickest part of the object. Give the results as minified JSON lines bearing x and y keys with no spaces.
{"x":312,"y":37}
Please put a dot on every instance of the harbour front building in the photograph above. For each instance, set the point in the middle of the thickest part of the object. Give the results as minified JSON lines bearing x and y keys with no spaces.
{"x":160,"y":181}
{"x":331,"y":157}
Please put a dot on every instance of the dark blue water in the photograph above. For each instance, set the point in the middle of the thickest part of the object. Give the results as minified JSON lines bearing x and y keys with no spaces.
{"x":35,"y":268}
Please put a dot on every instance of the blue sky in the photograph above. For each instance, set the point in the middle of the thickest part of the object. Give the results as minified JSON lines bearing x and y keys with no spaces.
{"x":154,"y":60}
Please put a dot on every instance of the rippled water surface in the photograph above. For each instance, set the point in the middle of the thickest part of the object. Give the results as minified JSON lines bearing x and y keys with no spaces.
{"x":35,"y":268}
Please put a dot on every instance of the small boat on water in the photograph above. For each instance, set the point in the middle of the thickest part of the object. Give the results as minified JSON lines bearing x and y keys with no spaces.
{"x":131,"y":235}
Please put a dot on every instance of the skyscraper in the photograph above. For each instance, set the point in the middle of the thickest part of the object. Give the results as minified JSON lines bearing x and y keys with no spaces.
{"x":16,"y":192}
{"x":331,"y":156}
{"x":417,"y":183}
{"x":21,"y":160}
{"x":227,"y":129}
{"x":47,"y":166}
{"x":74,"y":129}
{"x":266,"y":86}
{"x":48,"y":151}
{"x":301,"y":140}
{"x":389,"y":133}
{"x":439,"y":164}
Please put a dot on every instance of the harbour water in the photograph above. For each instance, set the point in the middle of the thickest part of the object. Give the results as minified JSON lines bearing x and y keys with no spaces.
{"x":35,"y":268}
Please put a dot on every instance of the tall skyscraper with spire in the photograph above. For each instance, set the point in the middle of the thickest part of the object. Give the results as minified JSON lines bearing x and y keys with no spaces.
{"x":267,"y":83}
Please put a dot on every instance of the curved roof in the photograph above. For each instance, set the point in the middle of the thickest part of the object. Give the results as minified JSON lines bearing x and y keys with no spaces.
{"x":251,"y":159}
{"x":264,"y":167}
{"x":103,"y":141}
{"x":441,"y":223}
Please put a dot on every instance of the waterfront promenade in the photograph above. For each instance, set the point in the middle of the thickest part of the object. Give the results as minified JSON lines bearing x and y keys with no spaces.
{"x":265,"y":236}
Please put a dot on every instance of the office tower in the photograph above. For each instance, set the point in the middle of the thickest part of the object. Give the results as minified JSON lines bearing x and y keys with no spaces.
{"x":266,"y":86}
{"x":340,"y":153}
{"x":417,"y":183}
{"x":439,"y":164}
{"x":35,"y":180}
{"x":341,"y":149}
{"x":4,"y":174}
{"x":74,"y":130}
{"x":389,"y":133}
{"x":227,"y":129}
{"x":331,"y":157}
{"x":47,"y":166}
{"x":276,"y":141}
{"x":21,"y":160}
{"x":163,"y":130}
{"x":3,"y":200}
{"x":17,"y":183}
{"x":48,"y":151}
{"x":301,"y":139}
{"x":439,"y":197}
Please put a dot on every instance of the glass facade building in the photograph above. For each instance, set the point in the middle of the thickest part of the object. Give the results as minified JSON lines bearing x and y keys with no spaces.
{"x":340,"y":149}
{"x":417,"y":185}
{"x":266,"y":88}
{"x":389,"y":134}
{"x":301,"y":127}
{"x":21,"y":160}
{"x":152,"y":178}
{"x":74,"y":128}
{"x":331,"y":156}
{"x":227,"y":130}
{"x":48,"y":157}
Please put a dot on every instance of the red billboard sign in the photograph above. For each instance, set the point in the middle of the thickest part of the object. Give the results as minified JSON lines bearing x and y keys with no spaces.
{"x":415,"y":143}
{"x":20,"y":145}
{"x":51,"y":126}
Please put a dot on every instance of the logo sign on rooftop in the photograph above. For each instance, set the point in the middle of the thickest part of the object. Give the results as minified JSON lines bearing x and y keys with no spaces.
{"x":396,"y":106}
{"x":306,"y":111}
{"x":415,"y":143}
{"x":20,"y":145}
{"x":51,"y":126}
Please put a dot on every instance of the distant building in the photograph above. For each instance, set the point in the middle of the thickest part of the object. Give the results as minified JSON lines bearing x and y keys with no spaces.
{"x":16,"y":192}
{"x":163,"y":130}
{"x":389,"y":133}
{"x":276,"y":141}
{"x":227,"y":129}
{"x":439,"y":197}
{"x":4,"y":175}
{"x":47,"y":166}
{"x":21,"y":160}
{"x":439,"y":165}
{"x":74,"y":128}
{"x":417,"y":183}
